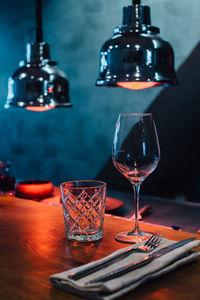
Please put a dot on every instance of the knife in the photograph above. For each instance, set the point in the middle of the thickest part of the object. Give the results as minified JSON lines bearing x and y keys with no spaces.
{"x":140,"y":263}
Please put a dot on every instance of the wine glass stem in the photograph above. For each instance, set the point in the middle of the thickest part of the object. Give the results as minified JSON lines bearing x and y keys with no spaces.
{"x":136,"y":188}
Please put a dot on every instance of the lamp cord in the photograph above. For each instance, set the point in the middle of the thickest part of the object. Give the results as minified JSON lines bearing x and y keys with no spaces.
{"x":136,"y":2}
{"x":38,"y":21}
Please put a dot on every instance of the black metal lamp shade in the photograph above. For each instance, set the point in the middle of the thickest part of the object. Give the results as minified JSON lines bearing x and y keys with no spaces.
{"x":136,"y":57}
{"x":38,"y":84}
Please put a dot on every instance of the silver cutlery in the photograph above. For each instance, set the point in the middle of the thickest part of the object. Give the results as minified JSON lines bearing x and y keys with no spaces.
{"x":140,"y":263}
{"x":147,"y":247}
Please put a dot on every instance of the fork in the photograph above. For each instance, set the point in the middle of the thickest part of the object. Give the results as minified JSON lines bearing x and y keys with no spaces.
{"x":147,"y":247}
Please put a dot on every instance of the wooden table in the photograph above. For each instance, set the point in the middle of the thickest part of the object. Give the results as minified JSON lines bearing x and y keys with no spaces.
{"x":33,"y":246}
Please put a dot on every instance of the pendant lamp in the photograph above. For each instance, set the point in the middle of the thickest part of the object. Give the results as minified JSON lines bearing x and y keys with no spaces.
{"x":38,"y":84}
{"x":136,"y":57}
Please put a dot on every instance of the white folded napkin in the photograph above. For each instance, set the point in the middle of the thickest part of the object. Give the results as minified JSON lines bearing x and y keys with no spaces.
{"x":119,"y":286}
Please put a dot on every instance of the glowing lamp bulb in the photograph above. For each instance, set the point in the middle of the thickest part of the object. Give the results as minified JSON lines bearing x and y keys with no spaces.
{"x":39,"y":108}
{"x":138,"y":85}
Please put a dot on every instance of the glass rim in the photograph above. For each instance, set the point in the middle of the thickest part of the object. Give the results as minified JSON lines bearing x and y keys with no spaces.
{"x":101,"y":184}
{"x":136,"y":114}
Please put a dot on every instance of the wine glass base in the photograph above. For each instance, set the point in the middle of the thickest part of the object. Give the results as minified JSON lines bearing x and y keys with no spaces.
{"x":132,"y":238}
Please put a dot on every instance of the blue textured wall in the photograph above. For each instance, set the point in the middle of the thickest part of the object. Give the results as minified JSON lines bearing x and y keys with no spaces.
{"x":75,"y":143}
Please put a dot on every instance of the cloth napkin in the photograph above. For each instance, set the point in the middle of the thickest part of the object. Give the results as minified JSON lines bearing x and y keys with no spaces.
{"x":119,"y":286}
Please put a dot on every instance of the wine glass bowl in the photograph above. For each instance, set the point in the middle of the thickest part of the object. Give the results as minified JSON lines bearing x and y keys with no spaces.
{"x":135,"y":154}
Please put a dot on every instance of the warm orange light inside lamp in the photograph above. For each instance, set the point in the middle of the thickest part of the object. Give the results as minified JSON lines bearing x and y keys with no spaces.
{"x":137,"y":85}
{"x":39,"y":108}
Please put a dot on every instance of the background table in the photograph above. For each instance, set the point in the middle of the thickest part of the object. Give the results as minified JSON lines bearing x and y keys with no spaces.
{"x":166,"y":212}
{"x":33,"y":246}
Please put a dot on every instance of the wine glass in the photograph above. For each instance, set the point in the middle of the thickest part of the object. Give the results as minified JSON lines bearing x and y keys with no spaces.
{"x":136,"y":153}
